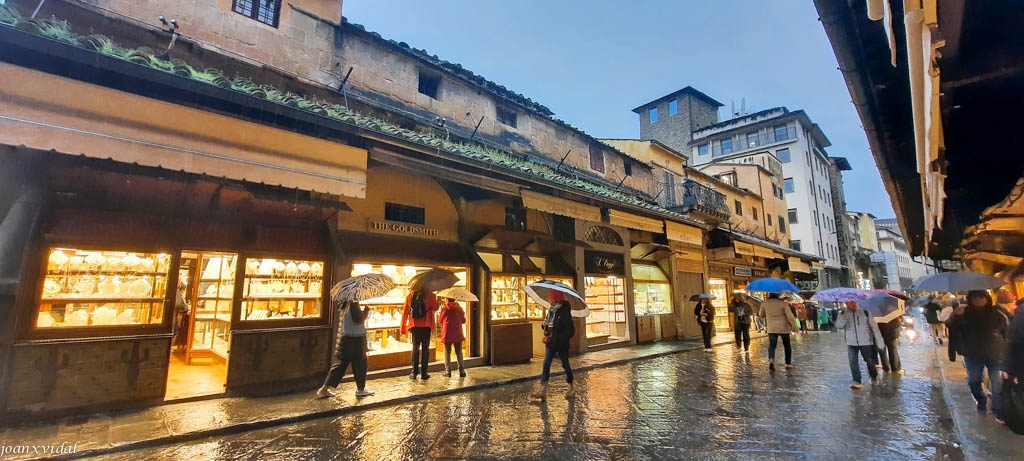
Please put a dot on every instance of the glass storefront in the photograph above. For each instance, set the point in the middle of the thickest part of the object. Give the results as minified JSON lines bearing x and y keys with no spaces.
{"x":606,"y":299}
{"x":652,"y":291}
{"x":719,"y":288}
{"x":282,"y":289}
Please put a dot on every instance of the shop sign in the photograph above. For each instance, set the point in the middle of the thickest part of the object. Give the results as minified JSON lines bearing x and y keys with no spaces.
{"x":760,"y":272}
{"x":718,"y":268}
{"x":599,"y":262}
{"x":807,"y":285}
{"x":401,"y":228}
{"x":743,"y":248}
{"x":742,"y":271}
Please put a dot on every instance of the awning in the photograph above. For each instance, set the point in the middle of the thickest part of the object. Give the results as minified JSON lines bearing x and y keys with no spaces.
{"x":684,"y":233}
{"x":766,"y":253}
{"x":650,"y":251}
{"x":743,"y":248}
{"x":560,"y":206}
{"x":525,"y":241}
{"x":386,"y":248}
{"x":796,"y":265}
{"x":632,"y":221}
{"x":46,"y":112}
{"x":817,"y":266}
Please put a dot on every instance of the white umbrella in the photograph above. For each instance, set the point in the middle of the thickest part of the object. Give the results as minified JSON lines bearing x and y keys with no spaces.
{"x":539,"y":291}
{"x":360,"y":287}
{"x":458,"y":294}
{"x":956,"y":281}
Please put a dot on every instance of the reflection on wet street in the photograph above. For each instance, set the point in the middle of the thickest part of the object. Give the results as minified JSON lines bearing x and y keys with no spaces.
{"x":692,"y":405}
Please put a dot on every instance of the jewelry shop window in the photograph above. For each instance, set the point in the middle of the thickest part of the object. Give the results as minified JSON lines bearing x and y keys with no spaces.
{"x":91,"y":288}
{"x":281,"y":289}
{"x":652,"y":292}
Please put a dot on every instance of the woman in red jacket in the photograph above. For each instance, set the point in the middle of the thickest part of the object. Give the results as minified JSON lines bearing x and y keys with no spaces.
{"x":451,"y":318}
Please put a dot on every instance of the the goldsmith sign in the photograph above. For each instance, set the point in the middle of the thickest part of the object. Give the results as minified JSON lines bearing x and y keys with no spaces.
{"x":401,"y":228}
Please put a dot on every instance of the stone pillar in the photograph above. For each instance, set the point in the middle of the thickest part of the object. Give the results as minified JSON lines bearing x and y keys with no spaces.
{"x":22,"y":196}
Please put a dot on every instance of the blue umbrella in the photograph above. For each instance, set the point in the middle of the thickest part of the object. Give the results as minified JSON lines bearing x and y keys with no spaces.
{"x":772,"y":285}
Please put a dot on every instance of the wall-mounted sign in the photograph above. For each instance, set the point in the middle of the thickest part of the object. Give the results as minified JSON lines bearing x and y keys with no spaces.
{"x":807,"y":285}
{"x":401,"y":228}
{"x":742,"y":271}
{"x":601,"y":263}
{"x":760,"y":272}
{"x":743,"y":248}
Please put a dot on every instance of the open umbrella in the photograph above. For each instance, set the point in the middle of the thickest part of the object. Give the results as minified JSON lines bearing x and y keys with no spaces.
{"x":956,"y":281}
{"x":435,"y":279}
{"x":700,"y":296}
{"x":884,"y":307}
{"x":458,"y":294}
{"x":360,"y":287}
{"x":540,"y":291}
{"x":841,"y":294}
{"x":893,"y":293}
{"x":772,"y":285}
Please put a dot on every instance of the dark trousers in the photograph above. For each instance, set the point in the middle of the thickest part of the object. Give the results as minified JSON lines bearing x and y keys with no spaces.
{"x":549,"y":356}
{"x":868,"y":352}
{"x":743,"y":336}
{"x":803,"y":325}
{"x":351,"y":351}
{"x":420,"y":349}
{"x":773,"y":342}
{"x":705,"y":331}
{"x":890,"y":357}
{"x":975,"y":375}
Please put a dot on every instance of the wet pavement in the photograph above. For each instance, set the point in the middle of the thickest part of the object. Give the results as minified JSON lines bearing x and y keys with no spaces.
{"x":688,"y":405}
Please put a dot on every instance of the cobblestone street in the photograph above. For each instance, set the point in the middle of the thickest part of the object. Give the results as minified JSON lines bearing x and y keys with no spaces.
{"x":690,"y":405}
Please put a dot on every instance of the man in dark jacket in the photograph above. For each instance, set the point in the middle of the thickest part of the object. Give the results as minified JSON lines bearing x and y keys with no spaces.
{"x":890,"y":356}
{"x":977,"y":333}
{"x":744,"y":315}
{"x":931,"y":315}
{"x":1013,"y":365}
{"x":559,"y":328}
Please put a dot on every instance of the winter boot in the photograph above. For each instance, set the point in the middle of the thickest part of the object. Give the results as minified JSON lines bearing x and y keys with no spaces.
{"x":541,"y":392}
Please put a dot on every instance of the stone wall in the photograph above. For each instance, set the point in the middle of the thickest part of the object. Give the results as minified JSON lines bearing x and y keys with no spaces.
{"x":676,"y":130}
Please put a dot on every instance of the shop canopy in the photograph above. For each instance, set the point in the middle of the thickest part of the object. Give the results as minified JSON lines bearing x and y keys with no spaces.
{"x":632,"y":221}
{"x":560,"y":206}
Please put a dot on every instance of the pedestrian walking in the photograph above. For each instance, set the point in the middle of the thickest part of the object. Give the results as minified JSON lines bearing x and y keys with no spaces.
{"x":977,"y":332}
{"x":1013,"y":372}
{"x":181,"y":318}
{"x":931,"y":315}
{"x":451,"y":318}
{"x":889,"y":356}
{"x":418,"y":317}
{"x":559,"y":329}
{"x":801,"y":316}
{"x":704,"y":311}
{"x":1005,"y":303}
{"x":744,"y":315}
{"x":780,"y":323}
{"x":862,"y":336}
{"x":812,"y":315}
{"x":350,"y":349}
{"x":824,"y":322}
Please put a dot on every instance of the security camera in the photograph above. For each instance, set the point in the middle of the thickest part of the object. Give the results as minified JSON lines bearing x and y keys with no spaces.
{"x":163,"y":20}
{"x":174,"y":22}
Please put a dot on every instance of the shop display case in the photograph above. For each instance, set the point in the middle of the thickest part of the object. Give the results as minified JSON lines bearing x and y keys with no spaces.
{"x":276,"y":289}
{"x":88,"y":288}
{"x":211,"y":330}
{"x":387,"y":347}
{"x":508,"y":300}
{"x":719,"y":288}
{"x":606,"y":299}
{"x":652,"y":292}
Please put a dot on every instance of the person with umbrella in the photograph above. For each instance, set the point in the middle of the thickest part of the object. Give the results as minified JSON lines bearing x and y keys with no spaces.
{"x":743,"y":319}
{"x":781,"y":322}
{"x":451,"y":318}
{"x":887,"y":309}
{"x":418,"y":314}
{"x":977,"y":333}
{"x":862,"y":336}
{"x":931,"y":315}
{"x":704,"y":312}
{"x":559,"y":329}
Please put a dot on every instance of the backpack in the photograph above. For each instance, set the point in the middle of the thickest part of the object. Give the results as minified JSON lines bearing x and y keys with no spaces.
{"x":418,"y":305}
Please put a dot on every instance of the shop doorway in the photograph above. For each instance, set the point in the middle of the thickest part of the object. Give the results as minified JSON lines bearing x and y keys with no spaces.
{"x":202,"y":323}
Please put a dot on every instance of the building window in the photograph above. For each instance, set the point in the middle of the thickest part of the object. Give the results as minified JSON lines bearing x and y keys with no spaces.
{"x":739,"y":208}
{"x":673,"y":107}
{"x":728,"y":178}
{"x":816,"y":220}
{"x":429,"y":84}
{"x":754,"y":212}
{"x":781,"y":133}
{"x":776,"y":190}
{"x":265,"y":11}
{"x":810,"y":187}
{"x":404,"y":213}
{"x":793,"y":216}
{"x":788,"y":185}
{"x":769,"y":219}
{"x":783,"y":155}
{"x":515,"y":219}
{"x":795,"y":244}
{"x":506,"y":116}
{"x":627,"y":167}
{"x":726,"y":146}
{"x":654,"y":114}
{"x":808,"y":154}
{"x":702,"y":149}
{"x":752,"y":139}
{"x":596,"y":158}
{"x":782,"y":225}
{"x":821,"y":252}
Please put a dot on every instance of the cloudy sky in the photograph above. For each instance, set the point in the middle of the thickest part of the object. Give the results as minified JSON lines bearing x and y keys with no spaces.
{"x":593,"y":61}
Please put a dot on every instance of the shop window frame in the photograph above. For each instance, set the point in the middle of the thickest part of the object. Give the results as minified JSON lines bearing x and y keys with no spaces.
{"x":326,"y":308}
{"x":238,"y":7}
{"x":30,"y":295}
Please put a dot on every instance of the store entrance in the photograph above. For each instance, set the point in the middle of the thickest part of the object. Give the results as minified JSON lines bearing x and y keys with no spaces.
{"x":202,"y":325}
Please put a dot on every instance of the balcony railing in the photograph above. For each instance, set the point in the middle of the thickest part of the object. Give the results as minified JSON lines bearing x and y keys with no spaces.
{"x":701,"y":199}
{"x":744,"y":142}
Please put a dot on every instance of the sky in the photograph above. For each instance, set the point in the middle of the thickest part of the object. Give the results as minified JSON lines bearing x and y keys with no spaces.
{"x":592,"y":61}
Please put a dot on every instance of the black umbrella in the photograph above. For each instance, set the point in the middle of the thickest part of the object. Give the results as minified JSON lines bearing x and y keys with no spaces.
{"x":700,"y":296}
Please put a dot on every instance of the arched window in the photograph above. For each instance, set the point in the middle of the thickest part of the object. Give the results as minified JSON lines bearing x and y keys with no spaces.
{"x":603,"y":235}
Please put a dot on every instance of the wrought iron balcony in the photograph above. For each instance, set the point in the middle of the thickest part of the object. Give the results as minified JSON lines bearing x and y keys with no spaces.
{"x":702,"y":201}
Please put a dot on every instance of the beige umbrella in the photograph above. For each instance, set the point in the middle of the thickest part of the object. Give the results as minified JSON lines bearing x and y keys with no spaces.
{"x":458,"y":294}
{"x":435,"y":279}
